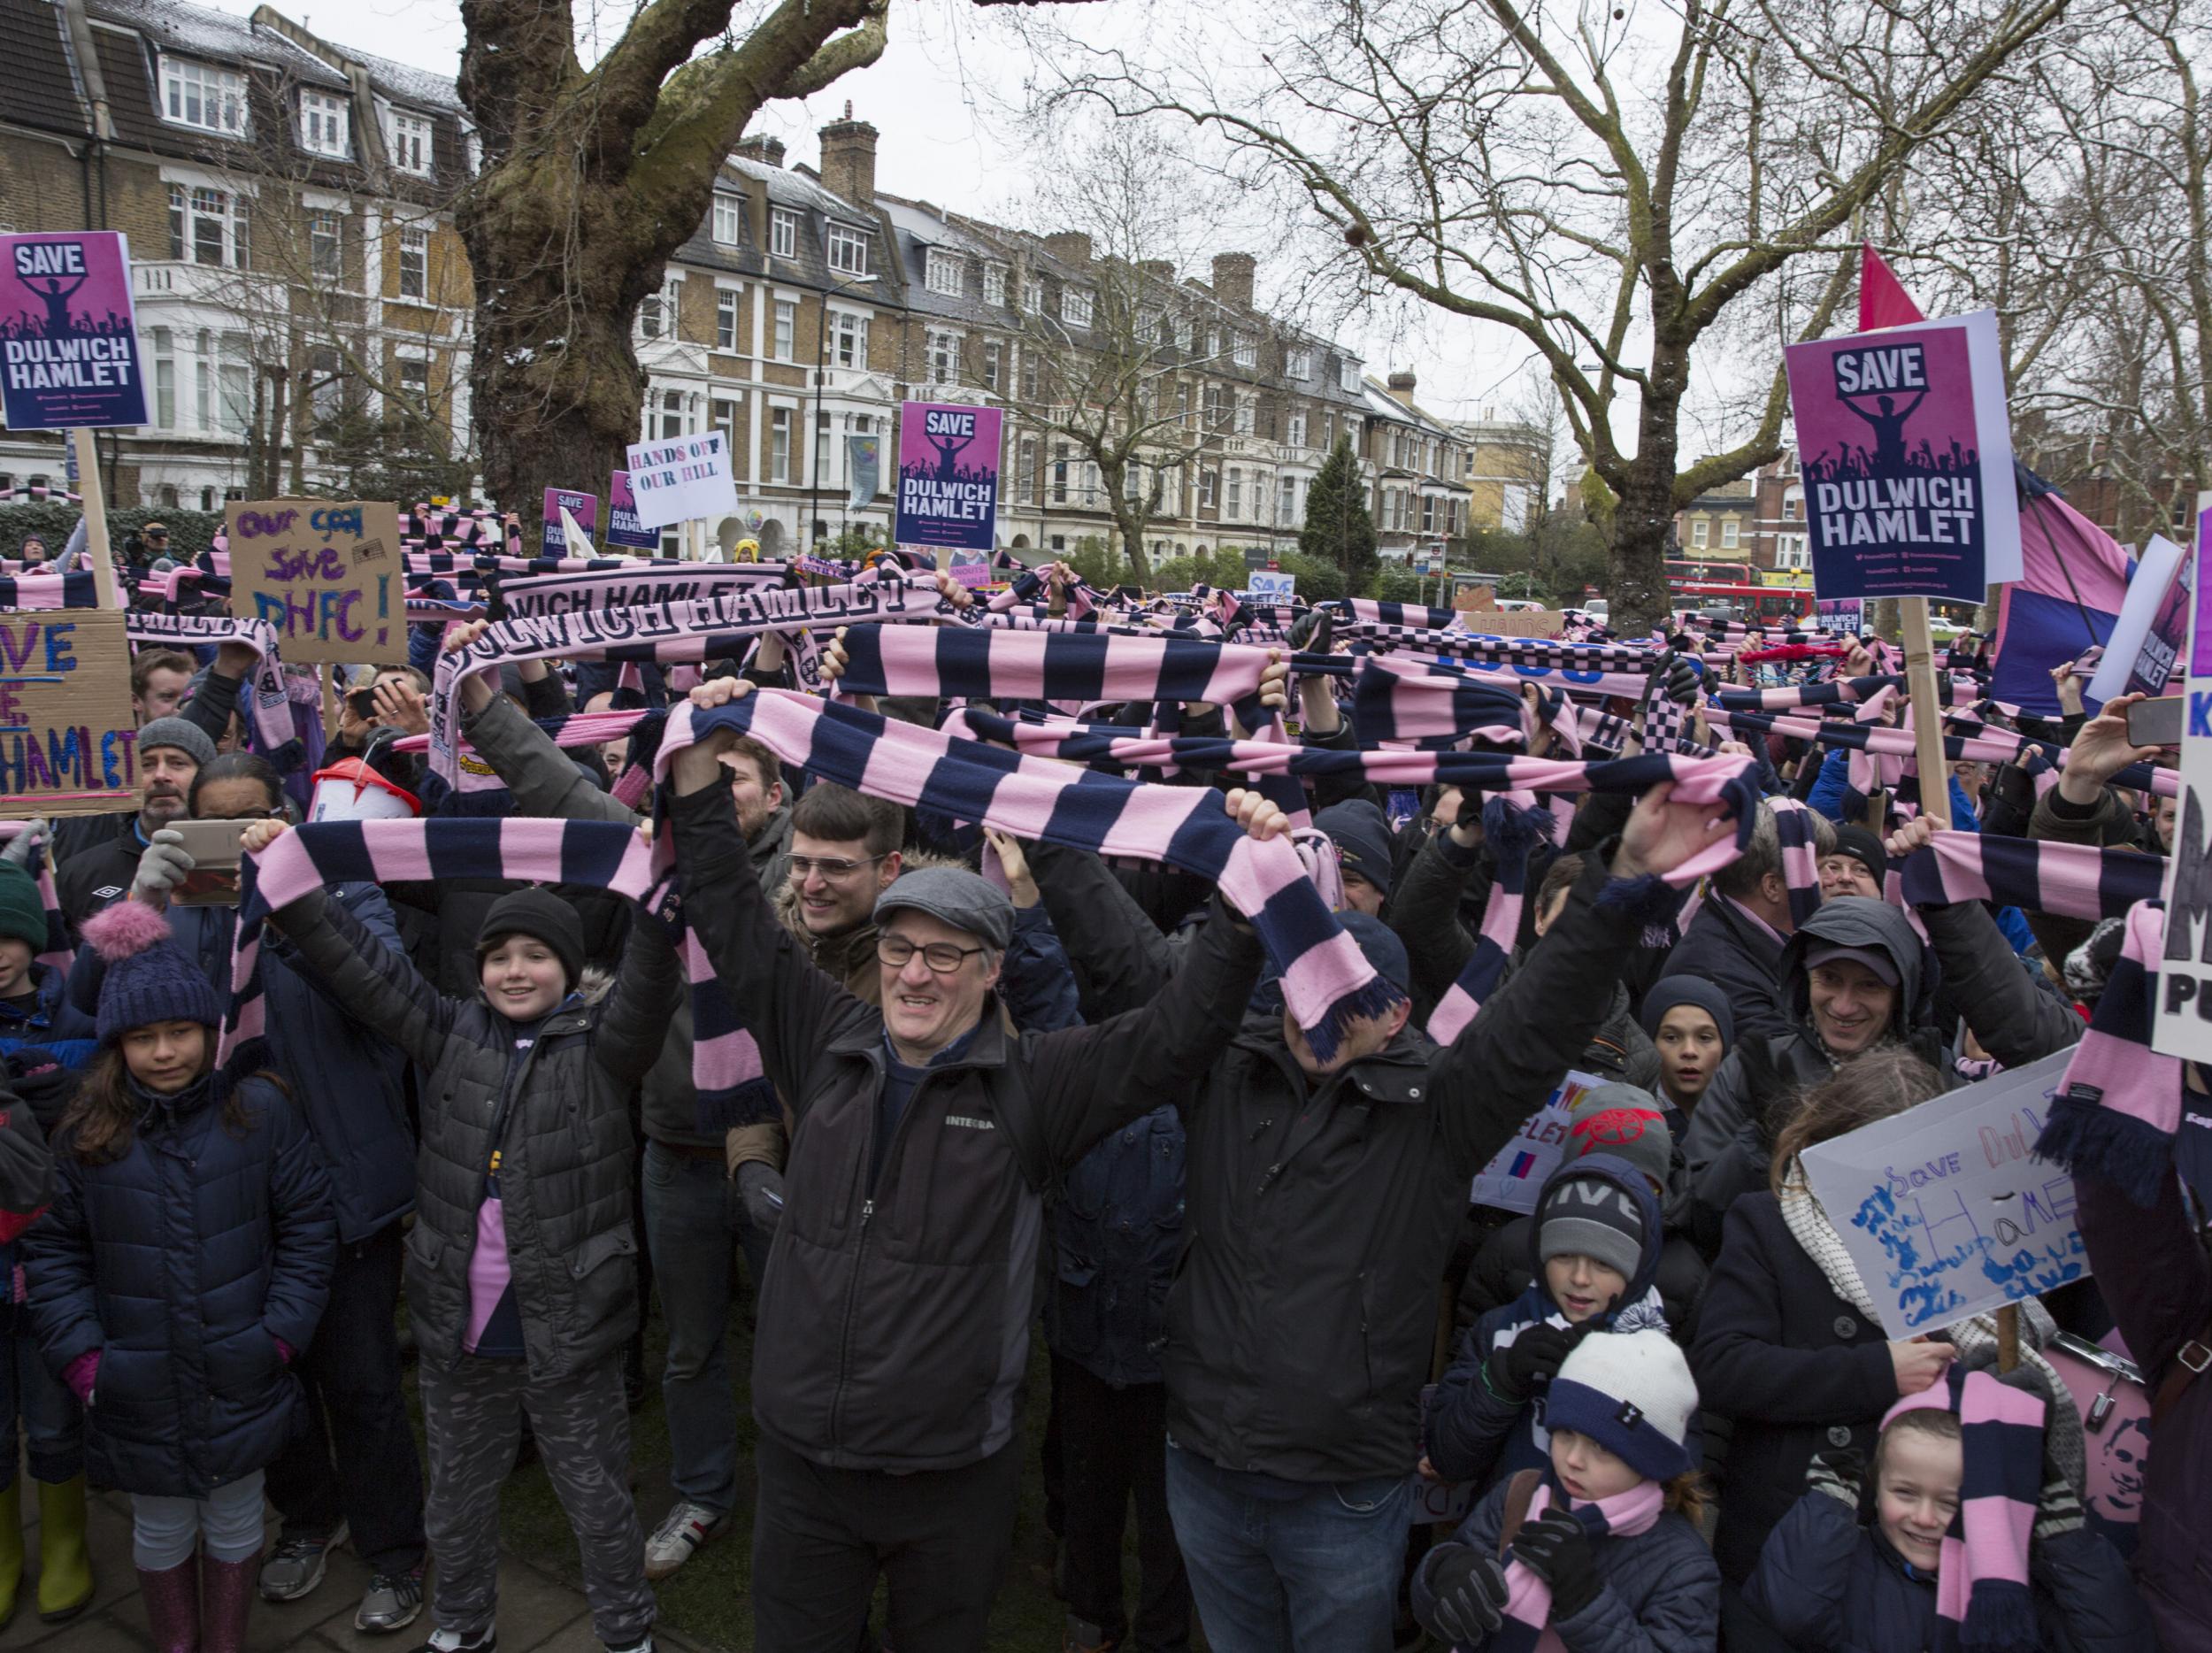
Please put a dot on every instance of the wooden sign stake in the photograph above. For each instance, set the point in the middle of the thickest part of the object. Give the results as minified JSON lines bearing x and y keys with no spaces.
{"x":94,"y":501}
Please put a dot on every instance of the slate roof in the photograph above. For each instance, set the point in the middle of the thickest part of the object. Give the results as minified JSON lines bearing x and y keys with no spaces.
{"x":216,"y":35}
{"x":42,"y":88}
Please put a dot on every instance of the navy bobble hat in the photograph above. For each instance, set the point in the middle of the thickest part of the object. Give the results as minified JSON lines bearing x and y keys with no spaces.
{"x":148,"y":976}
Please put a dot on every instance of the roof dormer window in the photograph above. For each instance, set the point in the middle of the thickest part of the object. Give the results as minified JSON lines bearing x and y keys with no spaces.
{"x":201,"y":95}
{"x":410,"y":138}
{"x":323,"y":124}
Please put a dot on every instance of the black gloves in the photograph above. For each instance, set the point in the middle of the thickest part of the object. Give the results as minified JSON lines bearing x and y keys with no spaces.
{"x":1683,"y":679}
{"x":1313,"y":632}
{"x":1557,"y":1550}
{"x":1533,"y":1360}
{"x":760,"y":1187}
{"x":1469,"y":1591}
{"x":45,"y":1086}
{"x":1840,"y":1474}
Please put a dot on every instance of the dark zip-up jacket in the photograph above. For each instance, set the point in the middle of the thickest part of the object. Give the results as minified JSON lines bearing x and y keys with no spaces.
{"x":1318,"y":1217}
{"x":564,"y":1118}
{"x":895,"y":1320}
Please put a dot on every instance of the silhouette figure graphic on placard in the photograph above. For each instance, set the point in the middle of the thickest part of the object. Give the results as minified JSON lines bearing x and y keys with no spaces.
{"x":1889,"y":428}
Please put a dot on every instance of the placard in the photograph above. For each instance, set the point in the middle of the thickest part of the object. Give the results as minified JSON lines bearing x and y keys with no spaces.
{"x":326,"y":574}
{"x":2144,"y":651}
{"x":2181,"y":1024}
{"x":1517,"y":1173}
{"x":1945,"y":1210}
{"x":1272,"y":584}
{"x":1840,"y":614}
{"x":68,"y":734}
{"x":948,"y":476}
{"x":680,"y":479}
{"x":971,"y":569}
{"x":68,"y":337}
{"x":1907,"y":455}
{"x":623,"y":528}
{"x":583,"y":507}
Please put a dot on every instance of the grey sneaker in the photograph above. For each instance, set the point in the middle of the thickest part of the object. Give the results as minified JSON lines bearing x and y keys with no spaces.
{"x":684,"y":1531}
{"x":391,"y":1603}
{"x":295,"y":1567}
{"x":449,"y":1641}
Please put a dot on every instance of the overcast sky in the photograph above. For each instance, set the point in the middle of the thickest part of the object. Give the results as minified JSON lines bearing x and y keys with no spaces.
{"x":946,"y":97}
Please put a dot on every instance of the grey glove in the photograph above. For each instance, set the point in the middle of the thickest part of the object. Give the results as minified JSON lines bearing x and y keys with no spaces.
{"x":162,"y":866}
{"x":760,"y":1186}
{"x":1684,"y":679}
{"x":20,"y":849}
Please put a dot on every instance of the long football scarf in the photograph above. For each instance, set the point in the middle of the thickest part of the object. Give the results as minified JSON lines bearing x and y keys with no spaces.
{"x":2118,"y":1110}
{"x":267,"y":698}
{"x":1528,"y":1598}
{"x":1325,"y":977}
{"x":1983,"y":1600}
{"x":2068,"y":881}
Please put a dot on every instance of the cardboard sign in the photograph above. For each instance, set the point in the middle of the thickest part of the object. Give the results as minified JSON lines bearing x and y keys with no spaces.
{"x":948,"y":476}
{"x":326,"y":574}
{"x":2182,"y":1020}
{"x":1945,"y":1208}
{"x":623,"y":528}
{"x":1908,"y":460}
{"x":68,"y":336}
{"x":68,"y":735}
{"x":680,"y":479}
{"x":1517,"y":1174}
{"x":1512,"y":622}
{"x":583,"y":507}
{"x":1273,"y":586}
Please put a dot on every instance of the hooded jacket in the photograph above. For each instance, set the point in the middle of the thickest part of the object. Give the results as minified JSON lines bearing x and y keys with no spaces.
{"x":1731,"y":1139}
{"x":1473,"y":1435}
{"x":1832,"y":1584}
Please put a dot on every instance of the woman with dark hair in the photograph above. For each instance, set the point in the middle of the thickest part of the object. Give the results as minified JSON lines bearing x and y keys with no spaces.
{"x":1784,"y":1347}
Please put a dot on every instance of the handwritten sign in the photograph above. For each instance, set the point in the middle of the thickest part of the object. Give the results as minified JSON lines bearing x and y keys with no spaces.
{"x":680,"y":479}
{"x":1517,"y":1174}
{"x":68,"y":736}
{"x":583,"y":507}
{"x":1266,"y":583}
{"x":1946,"y":1209}
{"x":68,"y":337}
{"x":326,"y":574}
{"x":622,"y":524}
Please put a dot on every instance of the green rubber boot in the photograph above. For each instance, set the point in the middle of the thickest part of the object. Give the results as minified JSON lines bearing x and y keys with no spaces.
{"x":64,"y":1566}
{"x":10,"y":1549}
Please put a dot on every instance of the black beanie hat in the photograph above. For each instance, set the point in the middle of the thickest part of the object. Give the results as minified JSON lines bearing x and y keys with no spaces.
{"x":540,"y":913}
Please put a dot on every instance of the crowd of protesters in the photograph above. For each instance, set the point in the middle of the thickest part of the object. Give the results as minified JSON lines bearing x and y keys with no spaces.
{"x":1065,"y":1100}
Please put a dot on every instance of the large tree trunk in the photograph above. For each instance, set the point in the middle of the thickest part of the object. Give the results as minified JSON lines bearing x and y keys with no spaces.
{"x":1643,"y":520}
{"x":1129,"y":528}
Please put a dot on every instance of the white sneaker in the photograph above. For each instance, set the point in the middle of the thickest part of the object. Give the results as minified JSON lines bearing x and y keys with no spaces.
{"x":685,"y":1530}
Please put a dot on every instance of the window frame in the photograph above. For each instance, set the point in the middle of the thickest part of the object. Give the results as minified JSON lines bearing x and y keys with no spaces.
{"x":1077,"y":307}
{"x":783,"y":232}
{"x":784,"y":342}
{"x":849,"y":339}
{"x":944,"y":272}
{"x":845,"y":249}
{"x":994,"y":284}
{"x":727,"y":303}
{"x":334,"y":270}
{"x":727,"y":213}
{"x":227,"y":86}
{"x":418,"y":134}
{"x":414,"y":240}
{"x":334,"y":114}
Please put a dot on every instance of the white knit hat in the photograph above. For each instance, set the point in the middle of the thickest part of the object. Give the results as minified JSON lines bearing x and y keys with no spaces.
{"x":1631,"y":1393}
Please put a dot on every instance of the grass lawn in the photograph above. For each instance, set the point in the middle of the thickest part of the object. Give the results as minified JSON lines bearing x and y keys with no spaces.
{"x":709,"y":1601}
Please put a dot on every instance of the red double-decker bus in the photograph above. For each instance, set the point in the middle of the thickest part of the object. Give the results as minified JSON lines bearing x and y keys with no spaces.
{"x":1764,"y":606}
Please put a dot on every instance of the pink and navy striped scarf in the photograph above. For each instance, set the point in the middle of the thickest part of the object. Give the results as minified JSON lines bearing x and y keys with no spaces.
{"x":1527,"y":1627}
{"x":2068,"y":881}
{"x":267,"y":701}
{"x":2116,"y":1113}
{"x":1983,"y":1599}
{"x":1325,"y":977}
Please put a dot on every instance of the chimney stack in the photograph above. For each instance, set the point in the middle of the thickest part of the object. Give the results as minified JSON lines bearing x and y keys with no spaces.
{"x":1232,"y":279}
{"x":1070,"y":246}
{"x":1161,"y":270}
{"x":758,"y":146}
{"x":1402,"y":387}
{"x":849,"y":159}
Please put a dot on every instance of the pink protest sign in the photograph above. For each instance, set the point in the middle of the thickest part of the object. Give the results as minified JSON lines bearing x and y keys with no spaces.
{"x":622,"y":523}
{"x":1908,"y":461}
{"x":947,"y":475}
{"x":68,"y":339}
{"x":583,"y":507}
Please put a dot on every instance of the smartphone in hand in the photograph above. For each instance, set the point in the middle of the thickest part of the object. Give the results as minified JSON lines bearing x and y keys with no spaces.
{"x":214,"y":848}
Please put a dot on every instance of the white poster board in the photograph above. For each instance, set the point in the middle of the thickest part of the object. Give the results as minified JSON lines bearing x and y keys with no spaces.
{"x":682,"y":478}
{"x":2154,"y":573}
{"x":1946,"y":1210}
{"x":2182,"y":1023}
{"x":1261,"y":582}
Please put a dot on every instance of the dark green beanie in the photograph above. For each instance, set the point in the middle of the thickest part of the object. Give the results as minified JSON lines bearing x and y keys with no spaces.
{"x":22,"y":911}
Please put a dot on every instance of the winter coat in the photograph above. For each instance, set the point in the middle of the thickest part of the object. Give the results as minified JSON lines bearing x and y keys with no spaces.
{"x":1798,"y":1369}
{"x":347,"y":1080}
{"x":1729,"y":1144}
{"x":53,"y":1021}
{"x":1117,"y":1230}
{"x":1441,"y":883}
{"x":562,"y":1114}
{"x":1660,"y":1592}
{"x":183,"y":1262}
{"x":1318,"y":1217}
{"x":893,"y":1322}
{"x":1724,"y":947}
{"x":1985,"y":984}
{"x":1831,"y":1585}
{"x":1470,"y":1434}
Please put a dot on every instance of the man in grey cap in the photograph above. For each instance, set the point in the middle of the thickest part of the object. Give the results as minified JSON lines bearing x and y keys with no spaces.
{"x":893,"y":1318}
{"x":170,"y":751}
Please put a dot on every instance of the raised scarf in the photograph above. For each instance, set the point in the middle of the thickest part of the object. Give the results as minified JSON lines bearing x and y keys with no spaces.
{"x":266,"y":697}
{"x":2120,"y":1105}
{"x":2068,"y":881}
{"x":1983,"y":1598}
{"x":1527,"y":1627}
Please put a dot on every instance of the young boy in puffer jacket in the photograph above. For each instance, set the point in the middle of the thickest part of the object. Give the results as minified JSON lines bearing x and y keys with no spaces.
{"x":1599,"y":1552}
{"x":1832,"y":1582}
{"x":1594,"y":1253}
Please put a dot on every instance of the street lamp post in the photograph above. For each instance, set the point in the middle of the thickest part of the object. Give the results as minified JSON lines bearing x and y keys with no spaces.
{"x":821,"y":368}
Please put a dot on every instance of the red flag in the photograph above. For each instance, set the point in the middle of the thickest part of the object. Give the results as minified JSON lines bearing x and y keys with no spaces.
{"x":1883,"y":300}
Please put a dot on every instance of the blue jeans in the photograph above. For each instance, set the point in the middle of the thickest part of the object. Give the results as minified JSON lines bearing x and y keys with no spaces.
{"x":53,"y":1423}
{"x":1316,"y":1572}
{"x":691,"y":1216}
